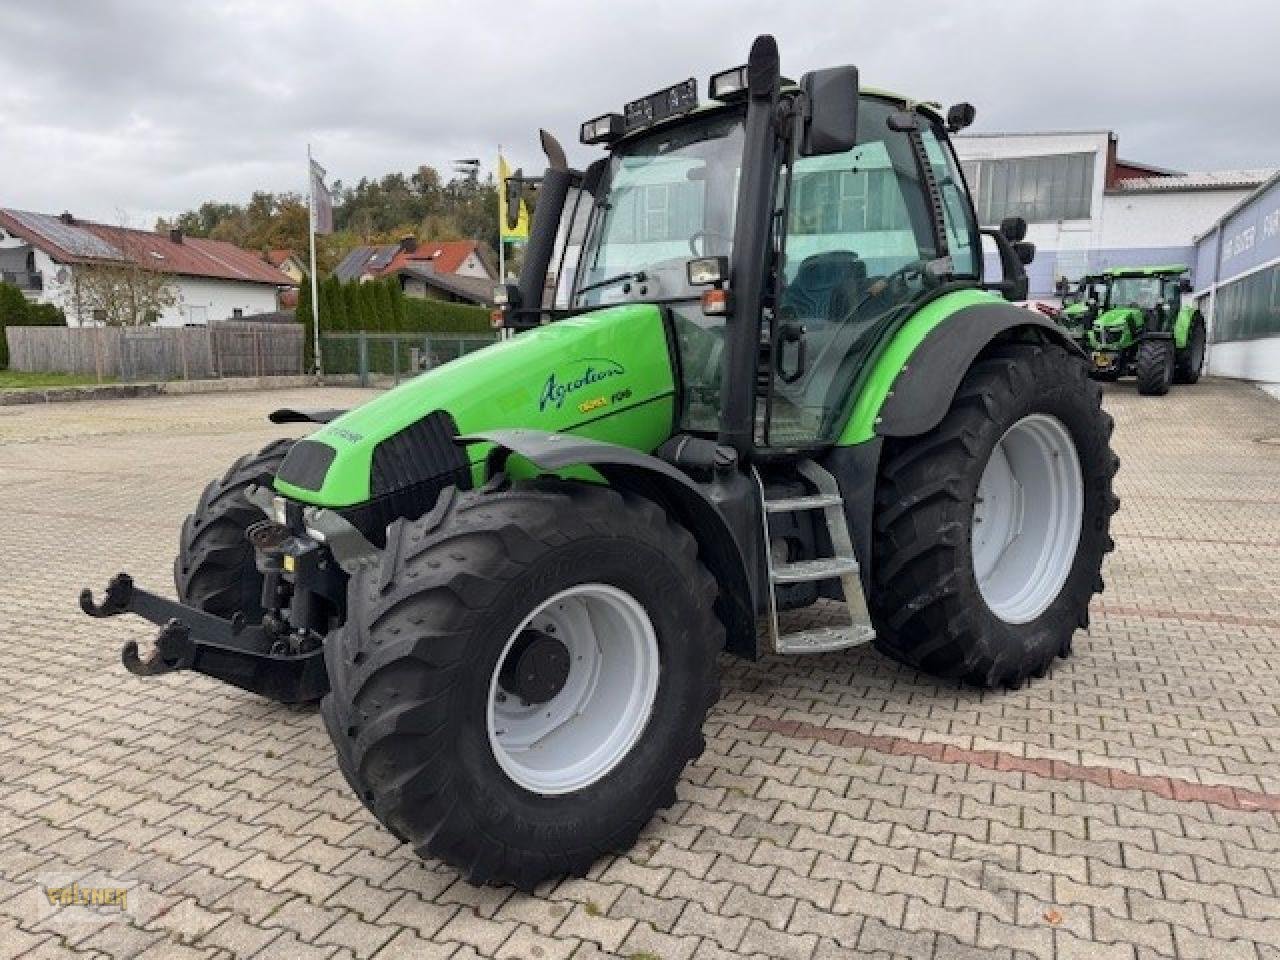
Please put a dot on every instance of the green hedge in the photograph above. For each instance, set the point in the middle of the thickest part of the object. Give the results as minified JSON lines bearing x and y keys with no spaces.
{"x":17,"y":311}
{"x":437,"y":316}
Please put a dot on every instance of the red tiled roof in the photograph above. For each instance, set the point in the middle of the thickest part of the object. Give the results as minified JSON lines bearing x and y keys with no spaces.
{"x":192,"y":257}
{"x":277,"y":257}
{"x":445,"y":256}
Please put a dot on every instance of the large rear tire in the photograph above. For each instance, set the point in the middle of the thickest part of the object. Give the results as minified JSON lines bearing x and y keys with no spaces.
{"x":215,"y":568}
{"x":521,"y":681}
{"x":1024,"y":450}
{"x":1191,"y":357}
{"x":1155,"y":363}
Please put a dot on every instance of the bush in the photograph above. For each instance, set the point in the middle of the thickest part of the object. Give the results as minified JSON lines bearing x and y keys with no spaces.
{"x":16,"y":311}
{"x":438,"y":316}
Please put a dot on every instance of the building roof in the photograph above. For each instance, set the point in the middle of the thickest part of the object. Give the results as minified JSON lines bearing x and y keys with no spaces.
{"x":1204,"y":180}
{"x":475,"y":289}
{"x":68,"y":240}
{"x":443,"y":256}
{"x":278,"y":257}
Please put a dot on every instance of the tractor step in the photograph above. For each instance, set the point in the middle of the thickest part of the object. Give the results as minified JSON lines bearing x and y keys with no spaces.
{"x":805,"y":571}
{"x":792,"y":504}
{"x":843,"y":565}
{"x":825,"y":639}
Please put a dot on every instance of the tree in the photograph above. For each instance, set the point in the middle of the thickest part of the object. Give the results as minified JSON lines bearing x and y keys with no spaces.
{"x":122,"y":293}
{"x":304,"y":316}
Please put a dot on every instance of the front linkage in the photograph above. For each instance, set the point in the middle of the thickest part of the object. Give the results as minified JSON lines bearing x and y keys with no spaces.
{"x":282,"y":657}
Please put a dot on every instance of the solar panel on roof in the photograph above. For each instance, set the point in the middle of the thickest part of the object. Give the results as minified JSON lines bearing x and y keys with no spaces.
{"x":74,"y":240}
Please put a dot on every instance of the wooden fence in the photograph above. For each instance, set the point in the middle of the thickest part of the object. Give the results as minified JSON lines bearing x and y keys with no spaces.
{"x":224,"y":349}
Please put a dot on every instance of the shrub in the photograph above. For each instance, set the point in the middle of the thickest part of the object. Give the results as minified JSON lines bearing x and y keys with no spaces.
{"x":16,"y":311}
{"x":439,"y":316}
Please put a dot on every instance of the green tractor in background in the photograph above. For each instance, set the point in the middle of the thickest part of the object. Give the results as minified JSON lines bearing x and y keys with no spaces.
{"x":752,"y":364}
{"x":1134,"y":320}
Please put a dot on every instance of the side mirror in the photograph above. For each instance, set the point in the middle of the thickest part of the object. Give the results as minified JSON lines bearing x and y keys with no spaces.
{"x":1062,"y":287}
{"x":1026,"y":251}
{"x":960,"y":115}
{"x":830,"y":112}
{"x":1184,"y":284}
{"x":1013,"y":229}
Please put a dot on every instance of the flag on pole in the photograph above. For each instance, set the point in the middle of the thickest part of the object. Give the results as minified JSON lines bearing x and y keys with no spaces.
{"x":321,"y":201}
{"x":520,"y":233}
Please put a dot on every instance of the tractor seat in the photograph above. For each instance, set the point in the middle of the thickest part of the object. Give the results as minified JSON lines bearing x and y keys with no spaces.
{"x":809,"y":296}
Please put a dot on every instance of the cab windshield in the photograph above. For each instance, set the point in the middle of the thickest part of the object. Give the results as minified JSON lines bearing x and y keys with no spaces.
{"x":667,"y":196}
{"x":1135,"y":292}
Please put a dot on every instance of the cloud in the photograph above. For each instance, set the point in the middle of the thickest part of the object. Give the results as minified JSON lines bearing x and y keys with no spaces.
{"x":151,"y":107}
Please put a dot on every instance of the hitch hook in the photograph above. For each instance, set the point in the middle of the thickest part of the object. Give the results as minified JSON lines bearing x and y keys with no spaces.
{"x":119,"y":594}
{"x":173,"y":651}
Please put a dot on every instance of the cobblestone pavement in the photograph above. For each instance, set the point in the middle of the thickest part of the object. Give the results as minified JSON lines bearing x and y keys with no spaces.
{"x":1125,"y":805}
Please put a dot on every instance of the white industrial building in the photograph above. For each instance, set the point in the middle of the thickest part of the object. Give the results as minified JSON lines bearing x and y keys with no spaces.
{"x":1086,"y":208}
{"x":211,"y":280}
{"x":1237,"y":281}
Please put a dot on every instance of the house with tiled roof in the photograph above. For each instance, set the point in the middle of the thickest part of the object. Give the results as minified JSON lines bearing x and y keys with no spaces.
{"x":43,"y":254}
{"x":452,"y":270}
{"x":287,"y":262}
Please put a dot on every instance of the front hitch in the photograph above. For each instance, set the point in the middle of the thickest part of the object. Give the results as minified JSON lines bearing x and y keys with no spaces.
{"x":227,"y":650}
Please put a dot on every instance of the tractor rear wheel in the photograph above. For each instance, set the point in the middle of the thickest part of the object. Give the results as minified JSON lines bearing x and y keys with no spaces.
{"x":215,"y":568}
{"x":1191,"y":357}
{"x":991,"y":528}
{"x":1155,"y":363}
{"x":521,"y":681}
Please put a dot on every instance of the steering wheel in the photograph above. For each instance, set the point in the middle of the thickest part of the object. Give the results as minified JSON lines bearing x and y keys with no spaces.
{"x":704,"y":235}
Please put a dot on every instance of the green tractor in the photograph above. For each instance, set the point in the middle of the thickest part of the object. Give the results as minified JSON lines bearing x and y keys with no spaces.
{"x":1134,"y":320}
{"x":751,"y":365}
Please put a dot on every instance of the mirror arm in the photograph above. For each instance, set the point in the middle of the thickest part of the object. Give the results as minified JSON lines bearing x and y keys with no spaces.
{"x":1013,"y":282}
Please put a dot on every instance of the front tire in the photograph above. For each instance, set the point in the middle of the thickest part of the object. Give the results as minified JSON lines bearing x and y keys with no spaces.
{"x":1155,"y":362}
{"x":473,"y":758}
{"x":1191,"y":357}
{"x":215,"y":568}
{"x":1025,"y":430}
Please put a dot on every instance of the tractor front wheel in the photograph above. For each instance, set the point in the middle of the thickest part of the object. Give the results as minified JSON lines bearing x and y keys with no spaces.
{"x":1155,"y":363}
{"x":991,"y":528}
{"x":522,"y":680}
{"x":215,"y":568}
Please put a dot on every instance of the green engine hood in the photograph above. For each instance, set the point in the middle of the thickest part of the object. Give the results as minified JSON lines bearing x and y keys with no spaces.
{"x":1119,"y":317}
{"x":605,"y":375}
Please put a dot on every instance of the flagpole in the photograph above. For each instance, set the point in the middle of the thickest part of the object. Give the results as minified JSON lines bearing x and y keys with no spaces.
{"x":502,"y":245}
{"x":311,"y":234}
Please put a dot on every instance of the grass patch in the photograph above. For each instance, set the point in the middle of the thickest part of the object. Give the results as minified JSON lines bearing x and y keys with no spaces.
{"x":14,"y":379}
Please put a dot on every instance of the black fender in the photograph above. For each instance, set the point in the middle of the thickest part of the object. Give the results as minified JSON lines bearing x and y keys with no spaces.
{"x":922,"y":393}
{"x":289,"y":415}
{"x":722,"y":545}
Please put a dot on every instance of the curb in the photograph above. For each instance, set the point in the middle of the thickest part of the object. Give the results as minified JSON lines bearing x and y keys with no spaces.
{"x":125,"y":391}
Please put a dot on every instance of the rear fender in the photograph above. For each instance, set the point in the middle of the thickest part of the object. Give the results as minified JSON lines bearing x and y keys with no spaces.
{"x":923,"y":390}
{"x":726,"y":547}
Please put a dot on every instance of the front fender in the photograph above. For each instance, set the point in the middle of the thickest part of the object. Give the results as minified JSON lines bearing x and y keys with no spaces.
{"x":727,"y":548}
{"x":1182,"y":326}
{"x":923,"y":389}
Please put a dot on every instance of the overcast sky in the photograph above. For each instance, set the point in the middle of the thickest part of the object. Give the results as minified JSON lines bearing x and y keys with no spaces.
{"x":112,"y":108}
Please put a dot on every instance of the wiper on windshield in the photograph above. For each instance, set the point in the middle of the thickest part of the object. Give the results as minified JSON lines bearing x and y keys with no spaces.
{"x":639,"y":276}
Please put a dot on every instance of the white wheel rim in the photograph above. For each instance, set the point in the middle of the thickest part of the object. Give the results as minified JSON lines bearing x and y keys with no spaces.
{"x":1026,"y":518}
{"x":585,"y":730}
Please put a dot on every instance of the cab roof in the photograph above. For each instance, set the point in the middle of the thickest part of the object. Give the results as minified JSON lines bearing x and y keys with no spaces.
{"x":1169,"y":270}
{"x":927,"y":106}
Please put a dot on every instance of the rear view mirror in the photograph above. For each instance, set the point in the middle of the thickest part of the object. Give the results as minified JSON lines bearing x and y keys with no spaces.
{"x":1013,"y":229}
{"x":1026,"y":252}
{"x":831,"y":111}
{"x":1184,"y":284}
{"x":1063,"y":286}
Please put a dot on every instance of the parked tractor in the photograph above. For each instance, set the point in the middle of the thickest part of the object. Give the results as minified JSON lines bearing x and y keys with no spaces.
{"x":753,"y":364}
{"x":1135,"y":320}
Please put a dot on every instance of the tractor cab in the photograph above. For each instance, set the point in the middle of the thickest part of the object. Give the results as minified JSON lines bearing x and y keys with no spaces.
{"x":785,"y":230}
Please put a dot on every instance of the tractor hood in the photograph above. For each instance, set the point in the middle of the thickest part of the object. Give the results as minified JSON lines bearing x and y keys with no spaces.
{"x":605,"y":375}
{"x":1119,"y":317}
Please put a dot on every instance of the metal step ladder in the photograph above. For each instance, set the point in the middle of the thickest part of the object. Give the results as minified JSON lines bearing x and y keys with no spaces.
{"x":843,"y":565}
